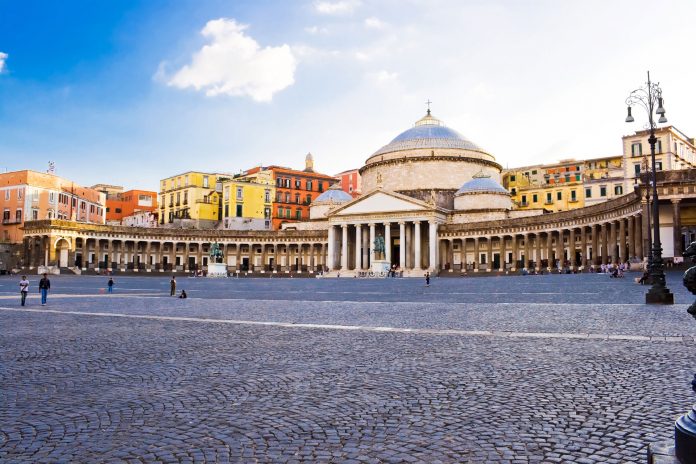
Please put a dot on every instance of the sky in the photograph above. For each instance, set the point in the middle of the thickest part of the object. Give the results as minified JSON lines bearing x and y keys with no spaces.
{"x":128,"y":92}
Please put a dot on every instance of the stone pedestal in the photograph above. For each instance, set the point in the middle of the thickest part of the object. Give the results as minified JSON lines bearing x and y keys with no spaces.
{"x":380,"y":265}
{"x":217,"y":270}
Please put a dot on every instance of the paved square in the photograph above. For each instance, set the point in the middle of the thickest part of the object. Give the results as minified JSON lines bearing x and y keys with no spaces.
{"x":562,"y":368}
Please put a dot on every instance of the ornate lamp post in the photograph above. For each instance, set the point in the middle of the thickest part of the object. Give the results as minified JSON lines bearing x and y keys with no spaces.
{"x":650,"y":98}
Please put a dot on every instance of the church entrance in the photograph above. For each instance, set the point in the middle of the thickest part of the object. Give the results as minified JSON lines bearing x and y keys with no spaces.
{"x":395,"y":251}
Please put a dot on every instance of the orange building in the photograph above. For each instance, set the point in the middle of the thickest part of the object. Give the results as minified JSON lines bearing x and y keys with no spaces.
{"x":30,"y":195}
{"x":125,"y":204}
{"x":295,"y":190}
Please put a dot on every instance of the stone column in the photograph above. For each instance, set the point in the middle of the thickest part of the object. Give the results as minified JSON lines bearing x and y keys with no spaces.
{"x":276,"y":254}
{"x":513,"y":265}
{"x":571,"y":248}
{"x":450,"y":254}
{"x":187,"y":250}
{"x":85,"y":254}
{"x":264,"y":255}
{"x":112,"y":254}
{"x":559,"y":249}
{"x":631,"y":238}
{"x":583,"y":245}
{"x":612,"y":241}
{"x":387,"y":242}
{"x":433,"y":245}
{"x":476,"y":254}
{"x":147,"y":257}
{"x":622,"y":240}
{"x":344,"y":247}
{"x":331,"y":254}
{"x":159,"y":255}
{"x":489,"y":254}
{"x":676,"y":226}
{"x":637,"y":227}
{"x":549,"y":249}
{"x":358,"y":247}
{"x":605,"y":234}
{"x":503,"y":252}
{"x":402,"y":245}
{"x":409,"y":246}
{"x":238,"y":257}
{"x":366,"y":246}
{"x":537,"y":254}
{"x":372,"y":244}
{"x":595,"y":244}
{"x":527,"y":250}
{"x":417,"y":255}
{"x":199,"y":256}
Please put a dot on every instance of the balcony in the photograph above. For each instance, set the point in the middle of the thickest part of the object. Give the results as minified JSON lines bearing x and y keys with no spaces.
{"x":547,"y":202}
{"x":11,"y":221}
{"x":573,"y":200}
{"x":524,"y":203}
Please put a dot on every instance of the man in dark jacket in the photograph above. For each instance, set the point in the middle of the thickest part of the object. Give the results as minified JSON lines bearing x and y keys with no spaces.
{"x":44,"y":287}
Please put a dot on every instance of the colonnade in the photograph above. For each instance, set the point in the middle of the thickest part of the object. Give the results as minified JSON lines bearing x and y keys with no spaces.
{"x":171,"y":255}
{"x":408,"y":244}
{"x":574,"y":247}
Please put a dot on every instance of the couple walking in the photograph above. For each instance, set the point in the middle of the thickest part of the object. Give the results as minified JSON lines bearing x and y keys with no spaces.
{"x":44,"y":287}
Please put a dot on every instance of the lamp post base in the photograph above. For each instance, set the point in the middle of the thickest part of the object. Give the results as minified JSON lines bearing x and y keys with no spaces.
{"x":659,"y":295}
{"x":685,"y":437}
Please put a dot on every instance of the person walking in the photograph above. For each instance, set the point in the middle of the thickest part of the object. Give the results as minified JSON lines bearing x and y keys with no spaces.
{"x":172,"y":286}
{"x":24,"y":289}
{"x":427,"y":279}
{"x":110,"y":285}
{"x":44,"y":287}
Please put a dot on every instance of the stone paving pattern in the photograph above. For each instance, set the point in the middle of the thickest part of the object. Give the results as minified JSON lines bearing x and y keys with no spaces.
{"x":77,"y":388}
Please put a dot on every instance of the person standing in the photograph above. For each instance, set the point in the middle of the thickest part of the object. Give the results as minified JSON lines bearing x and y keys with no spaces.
{"x":24,"y":289}
{"x":44,"y":287}
{"x":427,"y":279}
{"x":110,"y":285}
{"x":172,"y":286}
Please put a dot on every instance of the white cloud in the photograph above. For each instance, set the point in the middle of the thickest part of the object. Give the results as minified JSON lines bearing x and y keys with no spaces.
{"x":235,"y":64}
{"x":374,"y":23}
{"x":315,"y":30}
{"x":383,"y":77}
{"x":3,"y":57}
{"x":340,"y":7}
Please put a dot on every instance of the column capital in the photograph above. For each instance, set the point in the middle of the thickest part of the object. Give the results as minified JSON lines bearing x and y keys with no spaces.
{"x":675,"y":200}
{"x":344,"y":226}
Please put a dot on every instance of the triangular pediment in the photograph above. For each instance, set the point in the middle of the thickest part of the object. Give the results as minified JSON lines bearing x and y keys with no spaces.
{"x":380,"y":202}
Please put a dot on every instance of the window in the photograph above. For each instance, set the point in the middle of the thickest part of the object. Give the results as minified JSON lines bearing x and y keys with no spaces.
{"x":567,"y":177}
{"x":279,"y":182}
{"x":279,"y":197}
{"x":239,"y":211}
{"x":309,"y":185}
{"x":118,"y":211}
{"x":287,"y":197}
{"x":534,"y":172}
{"x":186,"y":197}
{"x":288,"y":213}
{"x":226,"y":193}
{"x":573,"y":195}
{"x":186,"y":180}
{"x":535,"y":198}
{"x":524,"y":199}
{"x":205,"y":182}
{"x":178,"y":197}
{"x":298,"y":214}
{"x":602,"y":191}
{"x":7,"y":195}
{"x":512,"y":178}
{"x":658,"y":146}
{"x":34,"y":214}
{"x":280,"y":212}
{"x":267,"y":196}
{"x":287,"y":183}
{"x":298,"y":184}
{"x":636,"y":149}
{"x":588,"y":193}
{"x":321,"y":186}
{"x":227,"y":210}
{"x":239,"y":193}
{"x":297,"y":198}
{"x":636,"y":169}
{"x":548,"y":198}
{"x":658,"y":165}
{"x":108,"y":209}
{"x":6,"y":215}
{"x":267,"y":213}
{"x":19,"y":194}
{"x":618,"y":190}
{"x":513,"y":191}
{"x":559,"y":196}
{"x":308,"y":198}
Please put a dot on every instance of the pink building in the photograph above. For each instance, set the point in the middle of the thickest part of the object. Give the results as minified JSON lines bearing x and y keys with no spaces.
{"x":351,"y":182}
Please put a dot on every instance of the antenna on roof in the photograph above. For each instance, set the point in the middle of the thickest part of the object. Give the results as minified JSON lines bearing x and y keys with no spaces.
{"x":51,"y":167}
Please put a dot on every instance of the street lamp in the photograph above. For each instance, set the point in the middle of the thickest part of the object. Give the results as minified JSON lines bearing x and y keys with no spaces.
{"x":650,"y":98}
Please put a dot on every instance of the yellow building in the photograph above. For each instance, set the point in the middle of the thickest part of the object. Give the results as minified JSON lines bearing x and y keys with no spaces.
{"x":553,"y":187}
{"x":247,"y":201}
{"x":191,"y":199}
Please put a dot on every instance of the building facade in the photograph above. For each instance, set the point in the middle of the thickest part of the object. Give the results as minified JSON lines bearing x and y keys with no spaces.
{"x":30,"y":195}
{"x":248,"y":202}
{"x":191,"y":199}
{"x":124,"y":204}
{"x":350,"y":182}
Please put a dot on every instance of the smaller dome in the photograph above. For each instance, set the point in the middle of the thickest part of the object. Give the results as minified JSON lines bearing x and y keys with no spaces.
{"x":481,"y":183}
{"x":334,"y":195}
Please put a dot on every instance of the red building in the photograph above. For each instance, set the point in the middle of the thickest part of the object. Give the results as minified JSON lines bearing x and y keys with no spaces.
{"x":124,"y":204}
{"x":351,"y":182}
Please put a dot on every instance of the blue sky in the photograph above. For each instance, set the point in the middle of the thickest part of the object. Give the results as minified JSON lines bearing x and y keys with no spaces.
{"x":128,"y":92}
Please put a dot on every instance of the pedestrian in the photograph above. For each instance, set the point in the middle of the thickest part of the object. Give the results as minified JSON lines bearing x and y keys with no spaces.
{"x":172,"y":286}
{"x":427,"y":279}
{"x":24,"y":289}
{"x":44,"y":287}
{"x":110,"y":285}
{"x":183,"y":294}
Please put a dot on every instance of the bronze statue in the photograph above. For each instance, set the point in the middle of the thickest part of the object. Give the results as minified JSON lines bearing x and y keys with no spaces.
{"x":215,"y":253}
{"x":379,"y":247}
{"x":690,"y":275}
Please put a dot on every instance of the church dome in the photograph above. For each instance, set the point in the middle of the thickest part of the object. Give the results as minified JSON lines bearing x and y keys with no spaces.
{"x":334,"y":195}
{"x":428,"y":133}
{"x":481,"y":184}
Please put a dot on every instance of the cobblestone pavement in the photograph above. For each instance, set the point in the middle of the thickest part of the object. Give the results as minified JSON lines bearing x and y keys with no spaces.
{"x":449,"y":373}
